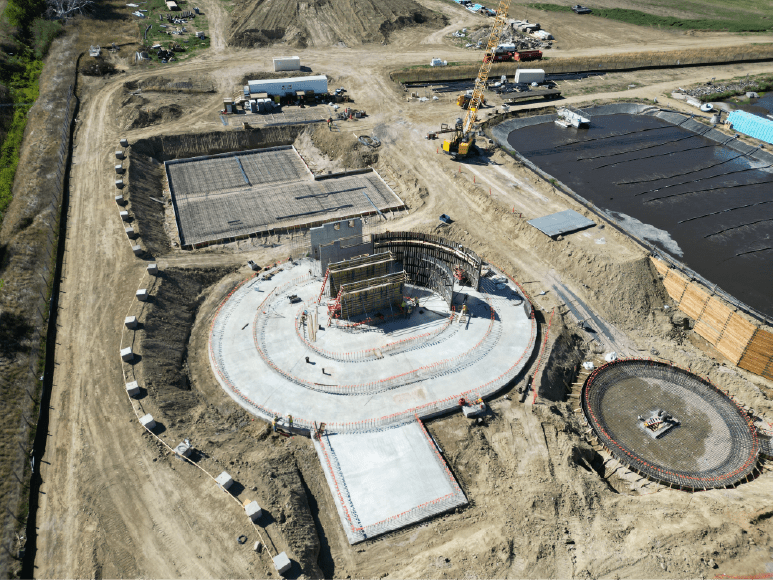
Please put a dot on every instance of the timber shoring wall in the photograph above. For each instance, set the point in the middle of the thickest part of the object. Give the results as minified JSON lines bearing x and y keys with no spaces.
{"x":741,"y":341}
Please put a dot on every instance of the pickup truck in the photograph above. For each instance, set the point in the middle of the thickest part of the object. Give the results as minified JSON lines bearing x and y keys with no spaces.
{"x":578,"y":9}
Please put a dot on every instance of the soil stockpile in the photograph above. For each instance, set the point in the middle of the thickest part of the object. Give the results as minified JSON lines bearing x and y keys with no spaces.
{"x":325,"y":22}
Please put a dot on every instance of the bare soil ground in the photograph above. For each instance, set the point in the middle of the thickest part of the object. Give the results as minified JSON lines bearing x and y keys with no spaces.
{"x":320,"y":22}
{"x":543,"y":503}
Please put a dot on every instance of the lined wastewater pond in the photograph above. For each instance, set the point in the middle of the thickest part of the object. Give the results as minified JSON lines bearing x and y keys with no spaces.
{"x":703,"y":203}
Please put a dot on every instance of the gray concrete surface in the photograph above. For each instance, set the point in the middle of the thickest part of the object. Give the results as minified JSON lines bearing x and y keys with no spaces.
{"x":262,"y":365}
{"x":386,"y":479}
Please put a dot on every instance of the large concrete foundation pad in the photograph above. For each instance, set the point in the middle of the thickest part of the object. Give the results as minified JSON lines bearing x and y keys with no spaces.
{"x":386,"y":479}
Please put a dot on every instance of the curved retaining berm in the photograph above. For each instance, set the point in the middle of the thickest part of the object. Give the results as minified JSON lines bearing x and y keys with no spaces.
{"x":698,"y":437}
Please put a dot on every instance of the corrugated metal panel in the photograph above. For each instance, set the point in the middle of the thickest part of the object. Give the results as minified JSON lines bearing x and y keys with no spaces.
{"x":752,"y":125}
{"x":562,"y":222}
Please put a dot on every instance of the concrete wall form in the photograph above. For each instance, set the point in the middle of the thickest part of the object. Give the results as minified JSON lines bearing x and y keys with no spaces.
{"x":330,"y":232}
{"x":410,"y":248}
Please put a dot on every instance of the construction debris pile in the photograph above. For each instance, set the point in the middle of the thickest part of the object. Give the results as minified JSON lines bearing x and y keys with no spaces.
{"x":711,"y":89}
{"x":511,"y":35}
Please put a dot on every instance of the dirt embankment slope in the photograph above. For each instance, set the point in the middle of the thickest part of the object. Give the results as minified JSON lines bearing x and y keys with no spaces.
{"x":321,"y":22}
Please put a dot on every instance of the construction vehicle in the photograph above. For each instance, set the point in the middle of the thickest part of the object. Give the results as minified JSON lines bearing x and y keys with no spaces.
{"x":462,"y":143}
{"x":464,"y":99}
{"x":526,"y":55}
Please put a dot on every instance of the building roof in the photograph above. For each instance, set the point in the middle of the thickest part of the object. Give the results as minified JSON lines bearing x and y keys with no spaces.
{"x":290,"y":80}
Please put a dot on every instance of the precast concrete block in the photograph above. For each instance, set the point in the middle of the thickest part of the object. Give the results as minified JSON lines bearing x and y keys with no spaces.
{"x":183,"y":449}
{"x":147,"y":421}
{"x":124,"y":142}
{"x":119,"y":199}
{"x":152,"y":269}
{"x":473,"y":410}
{"x":137,"y":250}
{"x":253,"y":510}
{"x":133,"y":389}
{"x":142,"y":294}
{"x":126,"y":354}
{"x":130,"y":233}
{"x":130,"y":322}
{"x":282,"y":562}
{"x":119,"y":169}
{"x":124,"y":215}
{"x":119,"y":183}
{"x":224,"y":480}
{"x":119,"y":155}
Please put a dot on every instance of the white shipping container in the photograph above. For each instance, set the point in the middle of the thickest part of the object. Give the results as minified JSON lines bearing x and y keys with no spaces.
{"x":288,"y":86}
{"x":530,"y":75}
{"x":287,"y":63}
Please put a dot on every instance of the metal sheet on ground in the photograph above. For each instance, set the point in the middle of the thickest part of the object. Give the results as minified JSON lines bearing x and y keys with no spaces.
{"x":562,"y":222}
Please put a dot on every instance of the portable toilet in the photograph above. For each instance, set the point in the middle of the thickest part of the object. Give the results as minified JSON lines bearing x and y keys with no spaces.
{"x":253,"y":106}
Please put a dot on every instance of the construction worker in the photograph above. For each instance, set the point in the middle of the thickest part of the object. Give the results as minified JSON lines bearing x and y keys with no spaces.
{"x":464,"y":310}
{"x":404,"y":306}
{"x":290,"y":421}
{"x":273,"y":422}
{"x":330,"y":123}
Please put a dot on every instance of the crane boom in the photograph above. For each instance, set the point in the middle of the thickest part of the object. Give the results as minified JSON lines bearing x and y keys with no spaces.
{"x":480,"y":83}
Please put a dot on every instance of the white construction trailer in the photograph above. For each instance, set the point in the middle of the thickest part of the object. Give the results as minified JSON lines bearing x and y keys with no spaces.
{"x":289,"y":86}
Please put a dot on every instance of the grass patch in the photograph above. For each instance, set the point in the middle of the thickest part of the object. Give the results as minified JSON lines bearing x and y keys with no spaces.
{"x":738,"y":22}
{"x":23,"y":84}
{"x":163,"y":36}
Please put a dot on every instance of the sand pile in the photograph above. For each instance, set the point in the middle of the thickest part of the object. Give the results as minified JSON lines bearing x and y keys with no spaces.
{"x":325,"y":22}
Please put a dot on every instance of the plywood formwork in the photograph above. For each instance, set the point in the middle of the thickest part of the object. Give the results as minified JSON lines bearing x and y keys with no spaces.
{"x":370,"y":296}
{"x":358,"y":269}
{"x":743,"y":342}
{"x":738,"y":332}
{"x":758,"y":357}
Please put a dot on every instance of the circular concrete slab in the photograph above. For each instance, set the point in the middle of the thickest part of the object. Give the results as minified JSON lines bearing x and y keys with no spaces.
{"x":362,"y":376}
{"x":669,"y":424}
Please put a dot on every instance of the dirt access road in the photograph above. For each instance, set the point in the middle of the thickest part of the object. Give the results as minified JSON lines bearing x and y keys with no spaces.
{"x":113,"y":506}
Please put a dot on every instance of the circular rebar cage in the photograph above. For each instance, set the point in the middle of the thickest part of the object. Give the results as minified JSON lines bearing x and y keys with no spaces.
{"x":670,"y":425}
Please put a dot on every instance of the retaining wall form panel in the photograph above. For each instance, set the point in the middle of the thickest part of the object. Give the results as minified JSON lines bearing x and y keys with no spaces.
{"x":738,"y":333}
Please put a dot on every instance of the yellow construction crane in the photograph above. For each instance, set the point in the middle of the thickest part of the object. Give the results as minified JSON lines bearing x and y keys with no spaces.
{"x":463,"y":140}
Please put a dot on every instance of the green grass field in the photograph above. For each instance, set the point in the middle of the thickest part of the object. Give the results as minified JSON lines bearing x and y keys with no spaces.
{"x":737,"y":16}
{"x":159,"y":35}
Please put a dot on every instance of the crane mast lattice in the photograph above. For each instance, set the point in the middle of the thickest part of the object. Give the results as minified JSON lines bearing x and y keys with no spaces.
{"x":500,"y":22}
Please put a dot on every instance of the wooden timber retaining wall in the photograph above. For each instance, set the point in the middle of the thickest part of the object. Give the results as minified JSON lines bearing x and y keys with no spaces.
{"x":741,"y":341}
{"x":610,"y":63}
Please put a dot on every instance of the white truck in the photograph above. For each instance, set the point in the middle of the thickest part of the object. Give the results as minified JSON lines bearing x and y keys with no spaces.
{"x":438,"y":62}
{"x":529,"y":75}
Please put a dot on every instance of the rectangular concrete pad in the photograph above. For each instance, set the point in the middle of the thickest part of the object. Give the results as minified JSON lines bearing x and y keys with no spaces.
{"x":252,"y":192}
{"x":386,"y":479}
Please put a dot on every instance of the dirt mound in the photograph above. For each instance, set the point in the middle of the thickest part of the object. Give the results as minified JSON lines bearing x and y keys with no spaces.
{"x":147,"y":116}
{"x":325,"y":22}
{"x":344,"y":147}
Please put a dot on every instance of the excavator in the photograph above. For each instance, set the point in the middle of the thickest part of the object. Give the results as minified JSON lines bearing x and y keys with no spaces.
{"x":462,"y":143}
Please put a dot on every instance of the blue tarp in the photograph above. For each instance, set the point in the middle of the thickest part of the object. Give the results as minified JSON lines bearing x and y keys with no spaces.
{"x":752,"y":125}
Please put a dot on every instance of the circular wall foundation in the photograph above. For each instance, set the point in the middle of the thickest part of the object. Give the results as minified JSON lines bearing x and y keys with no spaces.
{"x":670,"y":425}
